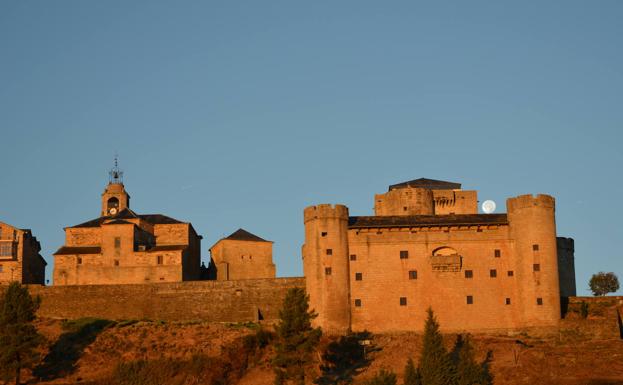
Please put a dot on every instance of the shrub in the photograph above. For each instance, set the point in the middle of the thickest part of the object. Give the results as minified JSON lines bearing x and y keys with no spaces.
{"x":584,"y":309}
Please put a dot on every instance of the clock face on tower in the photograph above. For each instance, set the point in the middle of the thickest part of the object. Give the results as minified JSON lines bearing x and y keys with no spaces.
{"x":112,"y":211}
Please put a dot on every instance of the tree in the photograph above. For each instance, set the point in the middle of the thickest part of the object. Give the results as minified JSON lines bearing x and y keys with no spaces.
{"x":468,"y":371}
{"x":383,"y":377}
{"x":18,"y":336}
{"x":436,"y":366}
{"x":343,"y":359}
{"x":296,"y":339}
{"x":604,"y":283}
{"x":412,"y":374}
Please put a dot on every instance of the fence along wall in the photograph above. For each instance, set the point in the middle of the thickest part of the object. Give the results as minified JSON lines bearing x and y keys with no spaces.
{"x":213,"y":301}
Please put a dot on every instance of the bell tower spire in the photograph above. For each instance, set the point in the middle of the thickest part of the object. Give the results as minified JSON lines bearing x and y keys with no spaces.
{"x":115,"y":198}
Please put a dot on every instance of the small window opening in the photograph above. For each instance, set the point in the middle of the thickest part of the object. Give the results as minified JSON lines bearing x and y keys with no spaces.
{"x":413,"y":274}
{"x":539,"y":301}
{"x":493,"y":273}
{"x":508,"y":301}
{"x":469,"y":274}
{"x":159,"y":259}
{"x":358,"y":276}
{"x":323,"y":234}
{"x":403,"y":301}
{"x":79,"y":260}
{"x":535,"y":247}
{"x":470,"y":300}
{"x":117,"y":242}
{"x":116,"y":262}
{"x":536,"y":267}
{"x":404,"y":254}
{"x":353,"y":257}
{"x":327,"y":271}
{"x":497,"y":253}
{"x":510,"y":273}
{"x":329,"y":251}
{"x":404,"y":208}
{"x":357,"y":302}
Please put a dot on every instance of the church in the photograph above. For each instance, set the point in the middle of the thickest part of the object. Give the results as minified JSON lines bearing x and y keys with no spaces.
{"x":123,"y":247}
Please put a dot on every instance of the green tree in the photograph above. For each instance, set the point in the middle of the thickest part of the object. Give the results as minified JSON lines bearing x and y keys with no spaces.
{"x":604,"y":283}
{"x":18,"y":336}
{"x":383,"y":377}
{"x":468,"y":371}
{"x":436,"y":366}
{"x":412,"y":374}
{"x":296,"y":338}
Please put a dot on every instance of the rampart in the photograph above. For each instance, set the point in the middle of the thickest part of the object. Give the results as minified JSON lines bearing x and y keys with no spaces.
{"x":212,"y":301}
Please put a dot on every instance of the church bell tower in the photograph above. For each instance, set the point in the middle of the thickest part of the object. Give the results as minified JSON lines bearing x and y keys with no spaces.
{"x":114,"y":198}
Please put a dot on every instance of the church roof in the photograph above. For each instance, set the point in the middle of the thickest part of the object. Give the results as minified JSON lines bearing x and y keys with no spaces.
{"x":244,"y":235}
{"x":427,"y":220}
{"x":156,"y":219}
{"x":431,"y":184}
{"x":69,"y":250}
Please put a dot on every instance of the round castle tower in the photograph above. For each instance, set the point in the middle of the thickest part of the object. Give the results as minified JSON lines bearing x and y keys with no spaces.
{"x":533,"y":228}
{"x":326,"y":266}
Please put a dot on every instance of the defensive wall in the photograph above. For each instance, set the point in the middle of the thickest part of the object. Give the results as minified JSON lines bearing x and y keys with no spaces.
{"x":212,"y":301}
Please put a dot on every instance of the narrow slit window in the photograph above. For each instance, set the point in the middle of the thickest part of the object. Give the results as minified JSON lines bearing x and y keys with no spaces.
{"x":497,"y":253}
{"x":413,"y":274}
{"x":79,"y":260}
{"x":508,"y":301}
{"x":470,"y":300}
{"x":117,"y":242}
{"x":116,"y":262}
{"x":404,"y":254}
{"x":159,"y":259}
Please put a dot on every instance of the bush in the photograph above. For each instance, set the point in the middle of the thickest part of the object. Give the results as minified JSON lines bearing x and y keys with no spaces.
{"x":584,"y":309}
{"x":604,"y":283}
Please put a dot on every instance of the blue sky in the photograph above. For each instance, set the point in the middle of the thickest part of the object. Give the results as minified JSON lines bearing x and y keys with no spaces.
{"x":239,"y":114}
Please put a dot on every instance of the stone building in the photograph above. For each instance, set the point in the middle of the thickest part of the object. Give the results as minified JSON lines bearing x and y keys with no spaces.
{"x":19,"y":256}
{"x":427,"y":245}
{"x":241,"y":255}
{"x":121,"y":246}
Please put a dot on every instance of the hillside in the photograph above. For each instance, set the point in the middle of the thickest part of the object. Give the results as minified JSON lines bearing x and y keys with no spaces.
{"x":584,"y":351}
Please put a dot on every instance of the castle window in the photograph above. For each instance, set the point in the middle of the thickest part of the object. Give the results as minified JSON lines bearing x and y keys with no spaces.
{"x":117,"y":242}
{"x":539,"y":301}
{"x":159,"y":259}
{"x":403,"y":301}
{"x":469,"y":274}
{"x":493,"y":273}
{"x":6,"y":250}
{"x":497,"y":253}
{"x":357,"y":303}
{"x":508,"y":301}
{"x":536,"y":267}
{"x":358,"y":276}
{"x":404,"y":254}
{"x":116,"y":262}
{"x":404,"y":208}
{"x":329,"y":251}
{"x":535,"y":247}
{"x":470,"y":300}
{"x":79,"y":259}
{"x":510,"y":273}
{"x":327,"y":271}
{"x":413,"y":274}
{"x":353,"y":257}
{"x":323,"y":234}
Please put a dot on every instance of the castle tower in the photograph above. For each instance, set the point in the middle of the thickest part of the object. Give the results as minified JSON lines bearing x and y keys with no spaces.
{"x":326,"y":266}
{"x":533,"y":229}
{"x":114,"y":197}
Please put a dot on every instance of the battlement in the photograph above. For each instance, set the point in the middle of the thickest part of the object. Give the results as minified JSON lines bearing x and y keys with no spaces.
{"x":529,"y":200}
{"x":326,"y":211}
{"x":565,"y":243}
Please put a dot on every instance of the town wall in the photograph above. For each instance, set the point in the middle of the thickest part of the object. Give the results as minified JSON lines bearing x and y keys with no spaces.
{"x":213,"y":301}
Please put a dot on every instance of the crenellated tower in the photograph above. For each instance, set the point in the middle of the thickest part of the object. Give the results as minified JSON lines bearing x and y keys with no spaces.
{"x":533,"y":230}
{"x":326,"y":266}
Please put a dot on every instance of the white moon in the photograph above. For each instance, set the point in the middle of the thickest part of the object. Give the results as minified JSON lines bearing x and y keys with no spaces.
{"x":488,"y":206}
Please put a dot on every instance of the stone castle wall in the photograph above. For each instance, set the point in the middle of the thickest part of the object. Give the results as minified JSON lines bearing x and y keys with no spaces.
{"x":213,"y":301}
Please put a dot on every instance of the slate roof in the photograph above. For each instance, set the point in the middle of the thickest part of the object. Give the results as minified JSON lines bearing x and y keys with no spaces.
{"x":118,"y":222}
{"x":431,"y":184}
{"x":427,"y":220}
{"x":168,"y":247}
{"x":244,"y":235}
{"x":156,"y":219}
{"x":69,"y":250}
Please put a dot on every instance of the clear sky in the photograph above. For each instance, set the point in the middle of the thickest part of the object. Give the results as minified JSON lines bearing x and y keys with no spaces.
{"x":236,"y":114}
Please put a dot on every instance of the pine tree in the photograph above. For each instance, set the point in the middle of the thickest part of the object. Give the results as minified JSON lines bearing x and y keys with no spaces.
{"x":468,"y":371}
{"x":412,"y":374}
{"x":436,"y":367}
{"x":18,"y":336}
{"x":296,"y":339}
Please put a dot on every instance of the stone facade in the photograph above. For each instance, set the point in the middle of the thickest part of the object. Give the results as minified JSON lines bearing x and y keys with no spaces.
{"x":122,"y":247}
{"x":241,"y":255}
{"x":20,"y":260}
{"x":477,"y":271}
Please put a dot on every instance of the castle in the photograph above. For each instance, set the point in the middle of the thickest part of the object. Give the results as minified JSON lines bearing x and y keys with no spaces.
{"x":426,"y":246}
